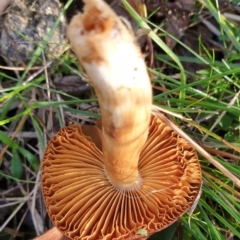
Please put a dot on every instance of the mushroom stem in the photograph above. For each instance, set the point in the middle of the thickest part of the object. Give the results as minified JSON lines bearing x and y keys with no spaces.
{"x":108,"y":52}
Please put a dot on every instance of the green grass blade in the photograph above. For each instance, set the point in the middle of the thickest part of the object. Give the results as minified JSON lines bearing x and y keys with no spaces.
{"x":143,"y":24}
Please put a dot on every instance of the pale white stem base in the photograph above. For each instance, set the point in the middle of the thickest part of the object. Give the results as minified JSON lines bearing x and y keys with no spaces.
{"x":4,"y":4}
{"x":110,"y":56}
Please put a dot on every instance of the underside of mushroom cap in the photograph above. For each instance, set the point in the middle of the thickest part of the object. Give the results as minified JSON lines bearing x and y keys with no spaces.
{"x":83,"y":204}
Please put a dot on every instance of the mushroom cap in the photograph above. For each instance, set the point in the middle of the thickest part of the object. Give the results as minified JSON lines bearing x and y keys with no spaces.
{"x":82,"y":202}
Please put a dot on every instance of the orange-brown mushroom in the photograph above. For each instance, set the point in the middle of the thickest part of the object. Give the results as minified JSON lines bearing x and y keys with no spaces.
{"x":144,"y":175}
{"x":84,"y":204}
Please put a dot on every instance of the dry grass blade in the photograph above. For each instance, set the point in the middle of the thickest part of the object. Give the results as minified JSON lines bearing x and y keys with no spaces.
{"x":19,"y":68}
{"x":221,"y":153}
{"x":38,"y":224}
{"x":25,"y":199}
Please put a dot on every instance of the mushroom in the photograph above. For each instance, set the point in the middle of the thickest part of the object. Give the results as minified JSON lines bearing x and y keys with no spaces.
{"x":142,"y":175}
